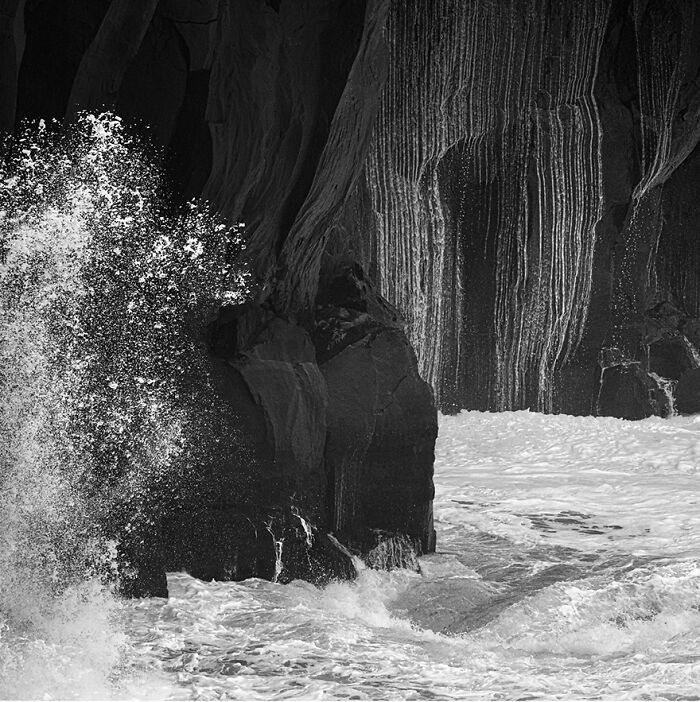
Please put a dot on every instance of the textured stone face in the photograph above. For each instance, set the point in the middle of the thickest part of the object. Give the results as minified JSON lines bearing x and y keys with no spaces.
{"x":481,"y":164}
{"x":521,"y":221}
{"x":382,"y":423}
{"x":624,"y":392}
{"x":277,"y":78}
{"x":340,"y":435}
{"x":518,"y":212}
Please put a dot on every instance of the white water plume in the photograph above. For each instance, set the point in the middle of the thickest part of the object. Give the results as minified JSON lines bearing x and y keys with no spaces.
{"x":667,"y":387}
{"x":278,"y":545}
{"x":102,"y":293}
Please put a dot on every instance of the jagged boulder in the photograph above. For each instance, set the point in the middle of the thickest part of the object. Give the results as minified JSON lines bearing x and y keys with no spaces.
{"x":338,"y":437}
{"x":670,"y":358}
{"x":219,"y":541}
{"x":265,"y":369}
{"x":382,"y":421}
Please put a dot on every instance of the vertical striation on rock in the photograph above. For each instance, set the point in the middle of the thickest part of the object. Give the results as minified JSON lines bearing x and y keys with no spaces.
{"x":487,"y":155}
{"x":516,"y":188}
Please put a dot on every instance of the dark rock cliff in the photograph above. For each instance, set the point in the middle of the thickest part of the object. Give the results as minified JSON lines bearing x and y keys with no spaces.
{"x":531,"y":189}
{"x":518,"y":181}
{"x":266,"y":109}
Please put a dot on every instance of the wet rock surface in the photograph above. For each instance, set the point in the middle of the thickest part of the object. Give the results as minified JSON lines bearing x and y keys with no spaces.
{"x":339,"y":431}
{"x":382,"y":423}
{"x":627,"y":392}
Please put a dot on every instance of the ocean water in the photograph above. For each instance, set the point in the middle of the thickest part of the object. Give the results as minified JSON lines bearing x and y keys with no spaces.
{"x":568,"y":561}
{"x":568,"y":567}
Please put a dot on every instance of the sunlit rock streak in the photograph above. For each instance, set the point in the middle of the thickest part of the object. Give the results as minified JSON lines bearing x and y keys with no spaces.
{"x":664,"y":45}
{"x":693,"y":351}
{"x":509,"y":88}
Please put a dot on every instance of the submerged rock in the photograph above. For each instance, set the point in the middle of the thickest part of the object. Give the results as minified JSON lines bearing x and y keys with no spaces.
{"x":393,"y":552}
{"x":142,"y":565}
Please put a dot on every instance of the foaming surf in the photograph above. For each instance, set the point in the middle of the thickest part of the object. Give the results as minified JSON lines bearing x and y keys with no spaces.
{"x":560,"y":573}
{"x":99,"y":282}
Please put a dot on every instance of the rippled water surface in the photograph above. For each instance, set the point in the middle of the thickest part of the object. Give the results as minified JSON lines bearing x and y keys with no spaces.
{"x":568,"y":566}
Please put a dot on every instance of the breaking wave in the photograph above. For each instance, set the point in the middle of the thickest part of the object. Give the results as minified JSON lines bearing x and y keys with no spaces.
{"x":103,"y":288}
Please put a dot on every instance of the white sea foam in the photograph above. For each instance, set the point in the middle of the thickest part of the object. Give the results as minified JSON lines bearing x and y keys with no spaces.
{"x":574,"y":481}
{"x":511,"y":606}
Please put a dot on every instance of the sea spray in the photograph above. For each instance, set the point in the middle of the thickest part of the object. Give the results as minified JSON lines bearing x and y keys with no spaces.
{"x":103,"y":292}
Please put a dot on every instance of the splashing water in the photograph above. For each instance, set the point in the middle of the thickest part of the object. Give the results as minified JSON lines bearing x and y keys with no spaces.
{"x":692,"y":350}
{"x":278,"y":544}
{"x":667,"y":387}
{"x":102,"y":291}
{"x":308,"y":529}
{"x":568,"y":567}
{"x":394,"y":552}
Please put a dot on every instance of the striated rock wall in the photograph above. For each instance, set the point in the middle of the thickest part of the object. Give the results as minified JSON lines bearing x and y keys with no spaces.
{"x":486,"y":156}
{"x":516,"y":215}
{"x":518,"y":174}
